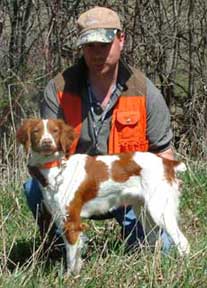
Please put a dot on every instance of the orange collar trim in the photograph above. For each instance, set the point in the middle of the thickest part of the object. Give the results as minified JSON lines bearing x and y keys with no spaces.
{"x":50,"y":164}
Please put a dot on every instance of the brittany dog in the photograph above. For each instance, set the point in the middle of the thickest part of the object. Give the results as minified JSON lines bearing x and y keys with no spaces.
{"x":78,"y":186}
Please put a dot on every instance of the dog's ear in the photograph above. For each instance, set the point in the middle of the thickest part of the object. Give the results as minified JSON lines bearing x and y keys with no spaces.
{"x":67,"y":137}
{"x":23,"y":134}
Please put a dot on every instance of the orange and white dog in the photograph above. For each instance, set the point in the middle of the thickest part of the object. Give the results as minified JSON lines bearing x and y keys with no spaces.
{"x":79,"y":186}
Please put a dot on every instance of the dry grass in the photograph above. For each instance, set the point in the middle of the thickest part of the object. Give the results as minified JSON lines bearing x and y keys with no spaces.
{"x":23,"y":263}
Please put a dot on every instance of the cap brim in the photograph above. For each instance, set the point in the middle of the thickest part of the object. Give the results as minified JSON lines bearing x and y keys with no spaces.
{"x":97,"y":35}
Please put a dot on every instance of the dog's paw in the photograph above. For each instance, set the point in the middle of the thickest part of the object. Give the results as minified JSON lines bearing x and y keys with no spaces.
{"x":184,"y":248}
{"x":75,"y":270}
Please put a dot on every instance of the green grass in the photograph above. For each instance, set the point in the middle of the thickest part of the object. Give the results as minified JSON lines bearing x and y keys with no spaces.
{"x":105,"y":264}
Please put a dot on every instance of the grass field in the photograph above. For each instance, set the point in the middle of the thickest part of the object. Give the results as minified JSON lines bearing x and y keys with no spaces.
{"x":105,"y":264}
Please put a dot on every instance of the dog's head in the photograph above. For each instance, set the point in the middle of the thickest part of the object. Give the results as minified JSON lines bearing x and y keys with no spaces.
{"x":46,"y":136}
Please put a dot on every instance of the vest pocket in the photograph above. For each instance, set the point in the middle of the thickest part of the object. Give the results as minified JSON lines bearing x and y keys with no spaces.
{"x":130,"y":132}
{"x":127,"y":118}
{"x":126,"y":123}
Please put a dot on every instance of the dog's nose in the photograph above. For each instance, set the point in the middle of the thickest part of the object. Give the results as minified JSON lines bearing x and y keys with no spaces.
{"x":46,"y":141}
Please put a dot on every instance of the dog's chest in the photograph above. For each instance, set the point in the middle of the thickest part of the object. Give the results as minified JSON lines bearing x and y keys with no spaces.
{"x":63,"y":182}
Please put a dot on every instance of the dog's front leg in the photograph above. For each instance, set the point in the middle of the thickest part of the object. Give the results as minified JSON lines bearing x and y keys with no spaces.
{"x":73,"y":243}
{"x":73,"y":257}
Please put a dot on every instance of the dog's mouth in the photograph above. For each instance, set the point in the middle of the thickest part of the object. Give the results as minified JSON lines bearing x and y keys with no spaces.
{"x":46,"y":149}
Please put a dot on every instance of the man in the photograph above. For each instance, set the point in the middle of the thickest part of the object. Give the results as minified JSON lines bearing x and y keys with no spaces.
{"x":113,"y":108}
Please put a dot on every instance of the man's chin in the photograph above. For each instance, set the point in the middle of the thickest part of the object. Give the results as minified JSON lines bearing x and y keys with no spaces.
{"x":101,"y":69}
{"x":104,"y":70}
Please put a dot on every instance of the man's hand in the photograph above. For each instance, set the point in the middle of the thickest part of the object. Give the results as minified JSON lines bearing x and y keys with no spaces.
{"x":168,"y":154}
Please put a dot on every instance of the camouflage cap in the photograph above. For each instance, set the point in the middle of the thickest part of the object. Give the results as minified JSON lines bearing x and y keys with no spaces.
{"x":98,"y":24}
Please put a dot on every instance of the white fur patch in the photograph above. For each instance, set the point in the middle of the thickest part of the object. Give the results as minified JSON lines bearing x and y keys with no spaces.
{"x":46,"y":134}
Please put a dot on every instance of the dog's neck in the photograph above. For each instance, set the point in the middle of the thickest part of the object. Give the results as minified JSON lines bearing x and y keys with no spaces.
{"x":37,"y":159}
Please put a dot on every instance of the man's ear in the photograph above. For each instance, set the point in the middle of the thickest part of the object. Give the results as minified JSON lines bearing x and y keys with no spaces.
{"x":121,"y":37}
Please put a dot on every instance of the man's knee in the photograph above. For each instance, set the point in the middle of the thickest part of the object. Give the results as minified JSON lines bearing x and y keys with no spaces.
{"x":33,"y":195}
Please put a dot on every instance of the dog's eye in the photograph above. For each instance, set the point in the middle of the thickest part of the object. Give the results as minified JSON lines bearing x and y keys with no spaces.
{"x":55,"y":130}
{"x":35,"y":130}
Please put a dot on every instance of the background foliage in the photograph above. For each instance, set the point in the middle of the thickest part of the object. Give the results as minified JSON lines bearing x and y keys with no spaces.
{"x":167,"y":39}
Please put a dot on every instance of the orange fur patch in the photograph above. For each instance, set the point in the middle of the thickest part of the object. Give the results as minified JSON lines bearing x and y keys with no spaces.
{"x":124,"y":168}
{"x":63,"y":134}
{"x":97,"y":172}
{"x":25,"y":134}
{"x":169,"y":169}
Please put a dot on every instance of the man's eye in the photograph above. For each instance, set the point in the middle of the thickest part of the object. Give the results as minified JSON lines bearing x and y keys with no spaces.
{"x":36,"y":130}
{"x":88,"y":45}
{"x":93,"y":45}
{"x":105,"y":45}
{"x":55,"y":130}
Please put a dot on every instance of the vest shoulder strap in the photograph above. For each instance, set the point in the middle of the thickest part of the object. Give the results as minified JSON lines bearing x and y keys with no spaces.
{"x":136,"y":85}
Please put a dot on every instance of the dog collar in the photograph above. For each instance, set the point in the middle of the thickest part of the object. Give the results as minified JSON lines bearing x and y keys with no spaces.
{"x":51,"y":164}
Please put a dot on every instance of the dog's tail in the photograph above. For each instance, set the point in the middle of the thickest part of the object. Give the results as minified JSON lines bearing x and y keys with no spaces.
{"x":180,"y":167}
{"x":174,"y":166}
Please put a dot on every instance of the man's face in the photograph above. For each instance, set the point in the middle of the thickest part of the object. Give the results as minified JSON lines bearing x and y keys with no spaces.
{"x":102,"y":58}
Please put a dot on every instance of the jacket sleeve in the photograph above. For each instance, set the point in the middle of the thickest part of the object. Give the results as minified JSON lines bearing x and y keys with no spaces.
{"x":49,"y":106}
{"x":158,"y":120}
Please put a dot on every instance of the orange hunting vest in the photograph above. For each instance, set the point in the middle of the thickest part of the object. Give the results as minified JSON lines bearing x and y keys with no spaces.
{"x":129,"y":121}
